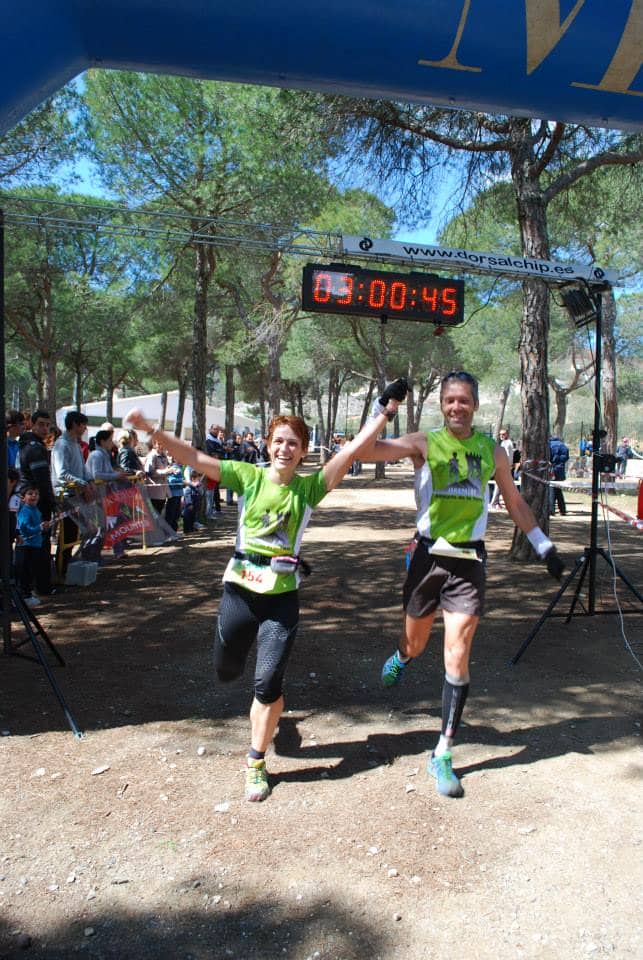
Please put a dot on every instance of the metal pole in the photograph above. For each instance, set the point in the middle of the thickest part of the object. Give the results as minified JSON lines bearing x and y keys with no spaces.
{"x":5,"y":550}
{"x":596,"y":461}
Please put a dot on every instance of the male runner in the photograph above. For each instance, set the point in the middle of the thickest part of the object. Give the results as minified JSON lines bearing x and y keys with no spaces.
{"x":453,"y":466}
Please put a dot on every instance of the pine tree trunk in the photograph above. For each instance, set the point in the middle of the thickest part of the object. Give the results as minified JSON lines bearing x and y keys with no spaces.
{"x":262,"y":409}
{"x":274,"y":377}
{"x":502,"y":406}
{"x":78,"y":390}
{"x":180,"y":406}
{"x":163,"y":415}
{"x":608,"y":372}
{"x":49,"y":384}
{"x":534,"y":336}
{"x":229,"y":399}
{"x":199,"y":345}
{"x":109,"y":394}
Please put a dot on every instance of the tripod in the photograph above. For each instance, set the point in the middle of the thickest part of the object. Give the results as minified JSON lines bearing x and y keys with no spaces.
{"x":585,"y":565}
{"x":12,"y":601}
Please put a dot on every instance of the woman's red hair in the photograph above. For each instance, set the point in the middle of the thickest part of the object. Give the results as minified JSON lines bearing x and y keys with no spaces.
{"x":296,"y":424}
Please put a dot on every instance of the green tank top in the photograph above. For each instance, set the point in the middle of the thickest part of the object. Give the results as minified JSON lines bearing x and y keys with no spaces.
{"x":451,"y":488}
{"x":272,"y":521}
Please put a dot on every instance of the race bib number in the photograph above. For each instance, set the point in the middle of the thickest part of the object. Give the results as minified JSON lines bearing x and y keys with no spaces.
{"x":250,"y":575}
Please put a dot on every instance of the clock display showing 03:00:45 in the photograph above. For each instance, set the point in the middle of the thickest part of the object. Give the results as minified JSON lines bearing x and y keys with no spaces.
{"x":380,"y":293}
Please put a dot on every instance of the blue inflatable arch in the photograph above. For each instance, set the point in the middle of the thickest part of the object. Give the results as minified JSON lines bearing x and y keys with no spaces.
{"x":573,"y":60}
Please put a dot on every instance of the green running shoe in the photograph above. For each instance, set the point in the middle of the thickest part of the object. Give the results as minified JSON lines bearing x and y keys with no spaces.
{"x":392,"y":670}
{"x":446,"y":781}
{"x":257,"y":788}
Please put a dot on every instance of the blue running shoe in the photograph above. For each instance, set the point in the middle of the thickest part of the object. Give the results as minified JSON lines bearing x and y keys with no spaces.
{"x":446,"y":781}
{"x":392,"y":670}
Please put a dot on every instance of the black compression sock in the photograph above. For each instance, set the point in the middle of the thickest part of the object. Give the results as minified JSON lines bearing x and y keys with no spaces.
{"x":454,"y":697}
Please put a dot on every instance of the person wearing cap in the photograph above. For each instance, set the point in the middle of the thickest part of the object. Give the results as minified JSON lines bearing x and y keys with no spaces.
{"x":453,"y":466}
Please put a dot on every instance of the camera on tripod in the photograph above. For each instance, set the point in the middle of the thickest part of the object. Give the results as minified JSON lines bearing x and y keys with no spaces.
{"x":606,"y":462}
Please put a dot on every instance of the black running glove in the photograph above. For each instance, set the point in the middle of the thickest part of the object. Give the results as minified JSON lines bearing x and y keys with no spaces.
{"x":393,"y":391}
{"x":555,"y":565}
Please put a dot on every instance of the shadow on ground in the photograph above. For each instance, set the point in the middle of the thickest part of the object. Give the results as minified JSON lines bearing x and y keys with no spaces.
{"x":137,"y":643}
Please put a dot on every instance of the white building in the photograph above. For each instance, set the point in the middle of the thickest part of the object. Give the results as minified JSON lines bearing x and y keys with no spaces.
{"x":150,"y":404}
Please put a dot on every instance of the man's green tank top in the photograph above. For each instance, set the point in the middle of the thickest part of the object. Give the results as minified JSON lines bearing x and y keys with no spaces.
{"x":451,"y":488}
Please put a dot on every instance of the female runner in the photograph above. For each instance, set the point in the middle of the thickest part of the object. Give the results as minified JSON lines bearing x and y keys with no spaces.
{"x":260,"y":593}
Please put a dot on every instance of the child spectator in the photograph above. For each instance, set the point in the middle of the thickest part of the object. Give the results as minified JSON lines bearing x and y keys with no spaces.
{"x":30,"y":526}
{"x":191,"y":502}
{"x":175,"y":488}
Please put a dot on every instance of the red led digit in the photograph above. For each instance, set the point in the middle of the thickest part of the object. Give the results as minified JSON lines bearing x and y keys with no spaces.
{"x":346,"y":291}
{"x":377,"y":294}
{"x":322,"y":288}
{"x":430,"y":297}
{"x":398,"y":295}
{"x":449,"y":301}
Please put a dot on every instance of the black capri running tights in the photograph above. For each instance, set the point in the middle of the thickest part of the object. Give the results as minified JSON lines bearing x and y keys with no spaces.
{"x":270,"y":620}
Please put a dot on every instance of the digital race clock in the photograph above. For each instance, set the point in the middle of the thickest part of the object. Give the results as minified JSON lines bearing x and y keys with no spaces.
{"x":350,"y":290}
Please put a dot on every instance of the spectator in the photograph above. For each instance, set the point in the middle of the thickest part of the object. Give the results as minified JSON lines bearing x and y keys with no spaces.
{"x":249,"y":452}
{"x":356,"y":466}
{"x":232,"y":451}
{"x":558,"y":457}
{"x":33,"y":464}
{"x":29,"y":555}
{"x":175,"y":493}
{"x":191,"y":502}
{"x":624,"y":453}
{"x":15,"y":427}
{"x":99,"y":461}
{"x":128,"y":459}
{"x":52,"y":436}
{"x":264,"y":455}
{"x":508,"y":446}
{"x":214,"y":448}
{"x":114,"y":448}
{"x":70,"y":476}
{"x":157,"y":467}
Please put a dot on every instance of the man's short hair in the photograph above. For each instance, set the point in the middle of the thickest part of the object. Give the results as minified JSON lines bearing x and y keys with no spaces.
{"x":40,"y":415}
{"x":73,"y":418}
{"x":463,"y":377}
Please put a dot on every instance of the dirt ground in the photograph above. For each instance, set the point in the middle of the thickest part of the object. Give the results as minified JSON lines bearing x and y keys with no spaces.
{"x":136,"y":841}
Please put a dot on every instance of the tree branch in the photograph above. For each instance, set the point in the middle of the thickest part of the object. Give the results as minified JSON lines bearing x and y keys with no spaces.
{"x":608,"y":158}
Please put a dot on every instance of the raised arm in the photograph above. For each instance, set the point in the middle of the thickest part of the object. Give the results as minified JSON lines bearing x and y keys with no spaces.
{"x":385,"y":409}
{"x":182,"y":452}
{"x":412,"y":445}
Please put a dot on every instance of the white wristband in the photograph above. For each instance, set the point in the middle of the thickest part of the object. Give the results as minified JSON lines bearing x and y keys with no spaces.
{"x":378,"y":410}
{"x":541,"y":544}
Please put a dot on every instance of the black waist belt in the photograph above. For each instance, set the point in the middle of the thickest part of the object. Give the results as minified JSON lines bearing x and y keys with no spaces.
{"x":472,"y":544}
{"x":261,"y":560}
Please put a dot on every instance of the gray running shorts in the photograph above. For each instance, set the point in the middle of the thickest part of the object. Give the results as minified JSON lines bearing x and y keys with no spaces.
{"x":453,"y":584}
